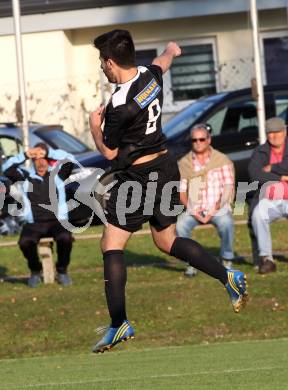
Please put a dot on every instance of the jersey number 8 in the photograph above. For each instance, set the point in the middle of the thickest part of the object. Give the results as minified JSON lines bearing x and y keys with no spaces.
{"x":154,"y":110}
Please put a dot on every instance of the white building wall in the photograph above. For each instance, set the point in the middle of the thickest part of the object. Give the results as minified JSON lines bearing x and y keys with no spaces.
{"x":62,"y":67}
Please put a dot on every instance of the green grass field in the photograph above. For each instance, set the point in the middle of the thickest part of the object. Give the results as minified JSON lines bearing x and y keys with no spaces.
{"x":187,"y":335}
{"x":250,"y":365}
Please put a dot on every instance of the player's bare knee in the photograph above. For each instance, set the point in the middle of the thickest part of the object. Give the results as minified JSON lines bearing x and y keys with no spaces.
{"x":163,"y":245}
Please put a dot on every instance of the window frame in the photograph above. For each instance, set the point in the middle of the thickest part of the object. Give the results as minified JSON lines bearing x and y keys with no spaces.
{"x":266,"y":35}
{"x":169,"y":105}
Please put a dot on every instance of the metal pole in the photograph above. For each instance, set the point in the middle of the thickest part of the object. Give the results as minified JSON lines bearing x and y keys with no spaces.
{"x":20,"y":73}
{"x":259,"y":82}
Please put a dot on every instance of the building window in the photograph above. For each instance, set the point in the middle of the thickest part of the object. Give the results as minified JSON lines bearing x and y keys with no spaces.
{"x":274,"y":48}
{"x":193,"y":73}
{"x":276,"y":59}
{"x":145,"y":57}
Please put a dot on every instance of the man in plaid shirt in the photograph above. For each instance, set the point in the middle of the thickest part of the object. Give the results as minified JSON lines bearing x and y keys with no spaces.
{"x":207,"y":191}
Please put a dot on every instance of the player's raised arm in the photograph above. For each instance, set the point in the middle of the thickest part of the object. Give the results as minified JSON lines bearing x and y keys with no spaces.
{"x":165,"y":59}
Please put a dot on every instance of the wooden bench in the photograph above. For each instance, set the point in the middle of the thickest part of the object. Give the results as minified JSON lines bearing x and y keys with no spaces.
{"x":45,"y":251}
{"x":45,"y":248}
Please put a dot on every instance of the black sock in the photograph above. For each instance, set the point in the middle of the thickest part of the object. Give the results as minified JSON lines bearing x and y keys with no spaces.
{"x":193,"y":253}
{"x":115,"y":277}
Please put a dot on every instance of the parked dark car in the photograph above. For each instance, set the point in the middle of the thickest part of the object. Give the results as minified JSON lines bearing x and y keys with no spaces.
{"x":232,"y":117}
{"x":233,"y":122}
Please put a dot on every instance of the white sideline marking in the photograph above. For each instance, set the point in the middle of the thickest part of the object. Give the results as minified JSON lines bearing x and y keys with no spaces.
{"x":202,"y":345}
{"x":105,"y":380}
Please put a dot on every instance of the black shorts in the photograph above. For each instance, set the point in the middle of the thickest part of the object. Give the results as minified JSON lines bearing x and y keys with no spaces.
{"x":145,"y":192}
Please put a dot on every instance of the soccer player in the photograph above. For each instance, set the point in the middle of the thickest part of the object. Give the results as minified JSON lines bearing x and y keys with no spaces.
{"x":132,"y":137}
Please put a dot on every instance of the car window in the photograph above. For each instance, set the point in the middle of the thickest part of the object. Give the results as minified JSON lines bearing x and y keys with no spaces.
{"x":248,"y":116}
{"x":9,"y":147}
{"x":59,"y":139}
{"x":186,"y":118}
{"x":216,"y":121}
{"x":234,"y":117}
{"x":281,"y":102}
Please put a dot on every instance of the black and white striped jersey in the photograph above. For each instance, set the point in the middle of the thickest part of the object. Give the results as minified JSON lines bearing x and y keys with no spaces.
{"x":133,"y":115}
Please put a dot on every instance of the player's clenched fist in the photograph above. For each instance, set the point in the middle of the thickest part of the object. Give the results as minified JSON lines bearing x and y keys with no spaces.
{"x":174,"y":49}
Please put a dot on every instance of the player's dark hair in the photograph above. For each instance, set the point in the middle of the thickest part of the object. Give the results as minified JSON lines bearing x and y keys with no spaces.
{"x":118,"y":46}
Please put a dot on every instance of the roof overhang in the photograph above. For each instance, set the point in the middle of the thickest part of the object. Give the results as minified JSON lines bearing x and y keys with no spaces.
{"x":145,"y":12}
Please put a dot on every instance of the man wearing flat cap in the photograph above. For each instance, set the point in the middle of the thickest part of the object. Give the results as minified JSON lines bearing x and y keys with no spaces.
{"x":268,"y":166}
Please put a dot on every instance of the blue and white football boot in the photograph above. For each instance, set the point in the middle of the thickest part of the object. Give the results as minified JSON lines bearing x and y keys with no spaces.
{"x":236,"y":287}
{"x":114,"y":336}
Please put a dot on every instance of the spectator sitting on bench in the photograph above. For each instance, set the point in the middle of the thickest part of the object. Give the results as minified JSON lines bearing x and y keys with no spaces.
{"x":41,"y":222}
{"x":206,"y":191}
{"x":269,"y":167}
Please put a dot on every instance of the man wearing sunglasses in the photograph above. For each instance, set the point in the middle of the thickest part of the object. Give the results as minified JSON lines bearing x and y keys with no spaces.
{"x":207,"y":191}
